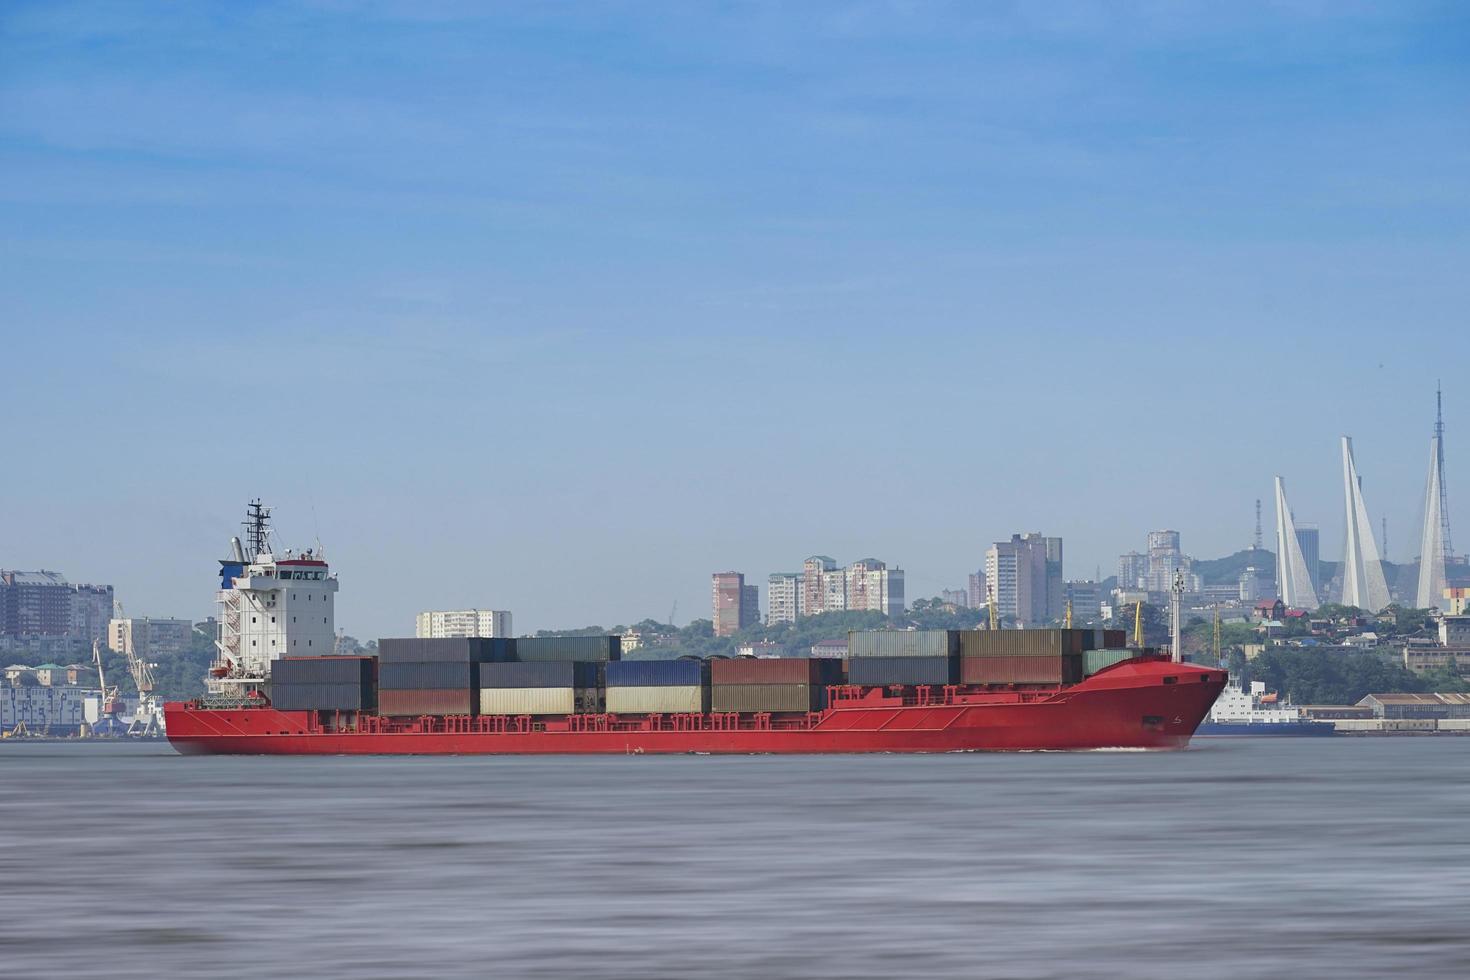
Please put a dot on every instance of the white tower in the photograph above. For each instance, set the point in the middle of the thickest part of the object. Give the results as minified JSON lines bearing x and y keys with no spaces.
{"x":270,"y":607}
{"x":1363,"y":584}
{"x":1432,"y":545}
{"x":1292,"y":577}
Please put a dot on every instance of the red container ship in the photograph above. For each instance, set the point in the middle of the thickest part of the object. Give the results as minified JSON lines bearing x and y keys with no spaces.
{"x":1144,"y":703}
{"x":275,"y":690}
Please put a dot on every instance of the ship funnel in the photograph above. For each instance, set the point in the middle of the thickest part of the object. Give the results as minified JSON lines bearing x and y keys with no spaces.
{"x":236,"y":551}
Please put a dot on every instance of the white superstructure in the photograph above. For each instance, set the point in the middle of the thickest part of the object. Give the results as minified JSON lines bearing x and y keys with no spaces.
{"x":1236,"y":706}
{"x":271,"y":606}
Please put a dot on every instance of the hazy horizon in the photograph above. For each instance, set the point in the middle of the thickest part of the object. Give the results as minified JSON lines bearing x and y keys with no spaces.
{"x":561,"y":310}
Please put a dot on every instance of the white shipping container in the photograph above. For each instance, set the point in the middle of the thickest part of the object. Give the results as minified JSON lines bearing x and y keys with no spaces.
{"x":537,"y":701}
{"x":1454,"y":724}
{"x":662,"y":700}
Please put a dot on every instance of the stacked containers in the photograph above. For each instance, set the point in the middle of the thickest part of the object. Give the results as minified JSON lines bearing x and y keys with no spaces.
{"x":657,"y":686}
{"x":543,"y":687}
{"x":434,"y":676}
{"x":880,"y":658}
{"x":786,"y":684}
{"x":1050,"y":656}
{"x":323,"y":683}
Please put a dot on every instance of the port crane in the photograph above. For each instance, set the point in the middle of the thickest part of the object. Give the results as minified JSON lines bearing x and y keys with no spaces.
{"x":108,"y":708}
{"x":146,"y":722}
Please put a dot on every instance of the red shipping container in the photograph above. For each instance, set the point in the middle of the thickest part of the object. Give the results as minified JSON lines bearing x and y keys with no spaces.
{"x":751,"y":670}
{"x":434,"y":702}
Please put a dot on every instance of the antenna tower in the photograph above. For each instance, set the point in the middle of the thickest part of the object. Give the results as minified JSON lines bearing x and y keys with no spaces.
{"x":257,"y":526}
{"x":1257,"y":545}
{"x":1444,"y":504}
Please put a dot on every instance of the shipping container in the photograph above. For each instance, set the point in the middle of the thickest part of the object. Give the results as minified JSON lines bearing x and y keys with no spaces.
{"x":767,"y":697}
{"x":750,"y":670}
{"x":434,"y":702}
{"x":427,"y":676}
{"x":1115,"y":639}
{"x":661,"y":698}
{"x":1021,"y":670}
{"x":321,"y":697}
{"x":457,"y":649}
{"x":546,"y":673}
{"x":1021,"y":643}
{"x":538,"y":701}
{"x":1095,"y":660}
{"x":323,"y":670}
{"x":902,"y":643}
{"x":657,"y":673}
{"x":589,"y":648}
{"x":882,"y":671}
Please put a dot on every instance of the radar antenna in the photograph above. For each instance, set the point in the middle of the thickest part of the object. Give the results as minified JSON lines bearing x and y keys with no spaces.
{"x":257,"y":526}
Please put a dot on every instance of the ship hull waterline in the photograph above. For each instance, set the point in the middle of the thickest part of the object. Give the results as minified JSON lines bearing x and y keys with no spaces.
{"x":1135,"y":705}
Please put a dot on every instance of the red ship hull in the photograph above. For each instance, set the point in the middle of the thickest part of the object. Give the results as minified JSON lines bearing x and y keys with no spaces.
{"x":1140,"y":704}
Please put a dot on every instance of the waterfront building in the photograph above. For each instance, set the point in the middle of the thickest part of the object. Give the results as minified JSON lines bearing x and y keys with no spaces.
{"x":441,"y":623}
{"x":1249,"y":588}
{"x":145,"y":637}
{"x":1309,"y":540}
{"x":736,"y":605}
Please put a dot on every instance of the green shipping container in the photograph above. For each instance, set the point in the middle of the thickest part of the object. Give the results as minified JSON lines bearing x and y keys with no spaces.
{"x":1023,"y":643}
{"x":1096,"y":660}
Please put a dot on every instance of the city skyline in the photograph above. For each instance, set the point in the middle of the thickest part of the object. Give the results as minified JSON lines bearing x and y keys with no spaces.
{"x":517,"y":310}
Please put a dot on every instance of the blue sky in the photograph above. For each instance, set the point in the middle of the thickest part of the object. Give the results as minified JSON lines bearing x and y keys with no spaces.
{"x":561,"y":307}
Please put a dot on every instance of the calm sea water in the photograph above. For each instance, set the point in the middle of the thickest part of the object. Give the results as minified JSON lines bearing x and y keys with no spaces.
{"x":1238,"y":858}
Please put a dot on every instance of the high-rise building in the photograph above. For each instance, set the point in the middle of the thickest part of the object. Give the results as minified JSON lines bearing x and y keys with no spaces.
{"x":870,"y":585}
{"x":959,"y":598}
{"x":45,"y":604}
{"x":736,"y":605}
{"x":34,"y":604}
{"x":1132,"y":570}
{"x":978,"y":595}
{"x":1250,"y":584}
{"x":1165,"y":561}
{"x":817,"y":586}
{"x":438,"y":624}
{"x":91,"y":611}
{"x":1086,"y":599}
{"x":1309,"y":540}
{"x":1025,"y":577}
{"x":783,"y":597}
{"x":145,"y":637}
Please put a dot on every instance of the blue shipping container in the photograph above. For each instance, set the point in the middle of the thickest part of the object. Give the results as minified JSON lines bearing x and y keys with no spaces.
{"x":426,"y":676}
{"x":657,"y":673}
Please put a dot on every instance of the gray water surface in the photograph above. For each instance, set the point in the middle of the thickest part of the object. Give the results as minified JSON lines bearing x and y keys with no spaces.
{"x":1239,"y":858}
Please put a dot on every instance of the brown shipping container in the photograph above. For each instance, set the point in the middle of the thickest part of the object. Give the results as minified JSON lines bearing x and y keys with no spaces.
{"x":766,"y":697}
{"x":750,"y":670}
{"x":1021,"y":643}
{"x":1021,"y":670}
{"x":1115,"y":639}
{"x":412,"y":703}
